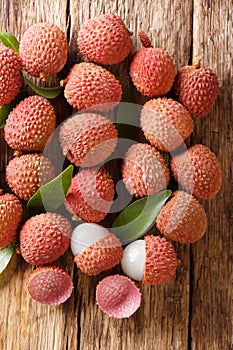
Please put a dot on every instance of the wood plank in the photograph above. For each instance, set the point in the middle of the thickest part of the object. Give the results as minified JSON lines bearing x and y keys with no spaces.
{"x":25,"y":324}
{"x":212,"y":307}
{"x":162,"y":320}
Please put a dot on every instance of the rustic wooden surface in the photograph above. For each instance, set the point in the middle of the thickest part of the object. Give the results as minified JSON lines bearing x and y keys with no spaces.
{"x":194,"y":310}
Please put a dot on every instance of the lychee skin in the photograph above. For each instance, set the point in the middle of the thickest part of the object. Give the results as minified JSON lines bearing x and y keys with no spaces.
{"x":25,"y":174}
{"x":92,"y":87}
{"x":88,"y":139}
{"x":44,"y":238}
{"x":104,"y":39}
{"x":50,"y":285}
{"x":152,"y":71}
{"x":161,"y":261}
{"x":118,"y":296}
{"x":90,"y":195}
{"x":30,"y":124}
{"x":10,"y":75}
{"x":182,"y":219}
{"x":10,"y":216}
{"x":144,"y":170}
{"x":198,"y":171}
{"x":43,"y":50}
{"x":100,"y":256}
{"x":165,"y":123}
{"x":197,"y":89}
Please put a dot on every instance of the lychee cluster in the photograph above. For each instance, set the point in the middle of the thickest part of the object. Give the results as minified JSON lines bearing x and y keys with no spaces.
{"x":88,"y":140}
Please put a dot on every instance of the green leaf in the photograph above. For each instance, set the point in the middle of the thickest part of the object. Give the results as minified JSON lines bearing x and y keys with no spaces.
{"x":51,"y":195}
{"x":136,"y":219}
{"x":9,"y":41}
{"x":5,"y":257}
{"x":4,"y":112}
{"x":42,"y":91}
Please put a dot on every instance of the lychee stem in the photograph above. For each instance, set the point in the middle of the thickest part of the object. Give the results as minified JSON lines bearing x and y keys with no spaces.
{"x":17,"y":154}
{"x":198,"y":64}
{"x":145,"y":40}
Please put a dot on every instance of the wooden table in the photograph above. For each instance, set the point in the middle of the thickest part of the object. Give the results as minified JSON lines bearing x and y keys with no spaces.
{"x":194,"y":310}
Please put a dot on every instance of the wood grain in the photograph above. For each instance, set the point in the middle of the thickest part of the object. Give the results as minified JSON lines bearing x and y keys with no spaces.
{"x":212,"y":307}
{"x":194,"y":310}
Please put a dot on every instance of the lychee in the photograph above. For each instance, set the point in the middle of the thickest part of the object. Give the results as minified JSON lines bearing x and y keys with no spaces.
{"x":196,"y":88}
{"x":44,"y":238}
{"x":25,"y":174}
{"x":97,"y":249}
{"x":104,"y":39}
{"x":182,"y":219}
{"x":10,"y":75}
{"x":152,"y":71}
{"x":165,"y":123}
{"x":198,"y":171}
{"x":50,"y":285}
{"x":144,"y":170}
{"x":88,"y":139}
{"x":90,"y":195}
{"x":118,"y":296}
{"x":92,"y":87}
{"x":43,"y":50}
{"x":30,"y":124}
{"x":10,"y":216}
{"x":152,"y":260}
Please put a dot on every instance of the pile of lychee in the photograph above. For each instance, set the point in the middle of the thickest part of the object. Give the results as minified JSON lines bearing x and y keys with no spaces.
{"x":88,"y":139}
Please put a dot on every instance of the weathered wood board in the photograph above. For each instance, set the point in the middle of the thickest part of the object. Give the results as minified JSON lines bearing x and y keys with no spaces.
{"x":194,"y":310}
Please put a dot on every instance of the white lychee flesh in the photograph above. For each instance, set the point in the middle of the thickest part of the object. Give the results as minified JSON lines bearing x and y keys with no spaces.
{"x":133,"y":261}
{"x":84,"y":235}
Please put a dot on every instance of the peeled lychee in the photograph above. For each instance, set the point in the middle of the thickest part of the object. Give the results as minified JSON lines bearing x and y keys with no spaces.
{"x":196,"y":88}
{"x":25,"y":174}
{"x":165,"y":123}
{"x":88,"y":139}
{"x":90,"y":195}
{"x":104,"y":39}
{"x":198,"y":171}
{"x":182,"y":219}
{"x":152,"y":260}
{"x":144,"y":170}
{"x":10,"y":75}
{"x":30,"y":124}
{"x":118,"y":296}
{"x":50,"y":285}
{"x":44,"y":238}
{"x":152,"y":71}
{"x":43,"y":50}
{"x":92,"y":87}
{"x":97,"y":249}
{"x":10,"y":216}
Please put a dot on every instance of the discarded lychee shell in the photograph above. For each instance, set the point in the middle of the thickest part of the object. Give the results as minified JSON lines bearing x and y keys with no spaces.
{"x":118,"y":296}
{"x":50,"y":285}
{"x":161,"y":261}
{"x":100,"y":256}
